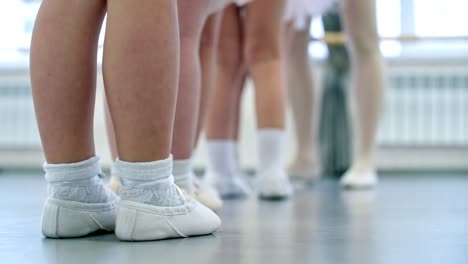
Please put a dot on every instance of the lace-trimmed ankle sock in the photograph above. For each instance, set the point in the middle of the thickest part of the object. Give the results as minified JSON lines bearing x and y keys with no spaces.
{"x":148,"y":182}
{"x":78,"y":182}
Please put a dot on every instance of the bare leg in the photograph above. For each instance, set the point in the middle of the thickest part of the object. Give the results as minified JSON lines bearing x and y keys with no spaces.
{"x":221,"y":119}
{"x":192,"y":17}
{"x":264,"y":55}
{"x":64,"y":81}
{"x":208,"y":53}
{"x":367,"y":87}
{"x":134,"y":76}
{"x":63,"y":77}
{"x":302,"y":101}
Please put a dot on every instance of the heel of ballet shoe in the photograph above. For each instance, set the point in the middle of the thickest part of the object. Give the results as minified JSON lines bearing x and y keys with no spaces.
{"x":50,"y":220}
{"x":68,"y":219}
{"x":125,"y":224}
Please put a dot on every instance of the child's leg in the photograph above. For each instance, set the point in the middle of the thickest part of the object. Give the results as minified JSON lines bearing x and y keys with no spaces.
{"x":158,"y":124}
{"x":192,"y":18}
{"x":302,"y":101}
{"x":220,"y":122}
{"x":264,"y":57}
{"x":141,"y":61}
{"x":265,"y":61}
{"x":208,"y":54}
{"x":63,"y":76}
{"x":221,"y":169}
{"x":367,"y":86}
{"x":135,"y":75}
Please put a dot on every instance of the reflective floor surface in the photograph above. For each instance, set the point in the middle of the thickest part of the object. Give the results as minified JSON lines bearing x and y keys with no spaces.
{"x":409,"y":218}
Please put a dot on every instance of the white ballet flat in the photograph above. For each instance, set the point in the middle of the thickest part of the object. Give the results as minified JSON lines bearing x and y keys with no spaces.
{"x":67,"y":219}
{"x":206,"y":195}
{"x":232,"y":187}
{"x":353,"y":180}
{"x":274,"y":185}
{"x":144,"y":222}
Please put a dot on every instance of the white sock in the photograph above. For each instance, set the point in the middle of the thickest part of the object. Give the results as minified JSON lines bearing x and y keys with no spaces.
{"x":78,"y":202}
{"x":273,"y":180}
{"x":361,"y":175}
{"x":223,"y":170}
{"x":183,"y":174}
{"x":78,"y":182}
{"x":237,"y":163}
{"x":221,"y":157}
{"x":271,"y":144}
{"x":148,"y":182}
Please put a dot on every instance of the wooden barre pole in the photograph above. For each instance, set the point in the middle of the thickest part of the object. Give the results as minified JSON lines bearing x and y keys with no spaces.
{"x":340,"y":38}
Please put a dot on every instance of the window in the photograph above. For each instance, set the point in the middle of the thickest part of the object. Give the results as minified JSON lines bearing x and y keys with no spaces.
{"x":419,"y":17}
{"x":389,"y":24}
{"x":16,"y":23}
{"x":440,"y":18}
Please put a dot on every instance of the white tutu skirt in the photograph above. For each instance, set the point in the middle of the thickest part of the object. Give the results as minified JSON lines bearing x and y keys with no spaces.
{"x":298,"y":11}
{"x":218,"y":5}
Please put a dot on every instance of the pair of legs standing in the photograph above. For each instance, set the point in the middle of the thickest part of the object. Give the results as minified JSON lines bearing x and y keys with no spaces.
{"x":141,"y":73}
{"x":250,"y":43}
{"x":367,"y":88}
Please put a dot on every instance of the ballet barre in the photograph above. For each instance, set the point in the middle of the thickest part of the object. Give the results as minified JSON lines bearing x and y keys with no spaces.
{"x":338,"y":38}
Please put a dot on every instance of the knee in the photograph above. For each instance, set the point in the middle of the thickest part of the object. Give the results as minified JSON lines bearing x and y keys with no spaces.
{"x":361,"y":30}
{"x":262,"y":46}
{"x":364,"y":46}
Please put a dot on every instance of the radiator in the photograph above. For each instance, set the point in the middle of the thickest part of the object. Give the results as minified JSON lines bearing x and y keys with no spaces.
{"x":426,"y":105}
{"x":18,"y":123}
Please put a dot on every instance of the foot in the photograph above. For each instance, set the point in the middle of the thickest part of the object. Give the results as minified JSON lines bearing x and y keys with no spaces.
{"x":78,"y":202}
{"x":152,"y":207}
{"x":201,"y":192}
{"x":68,"y":219}
{"x":274,"y":184}
{"x":137,"y":221}
{"x":206,"y":195}
{"x":70,"y":211}
{"x":230,"y":187}
{"x":360,"y":177}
